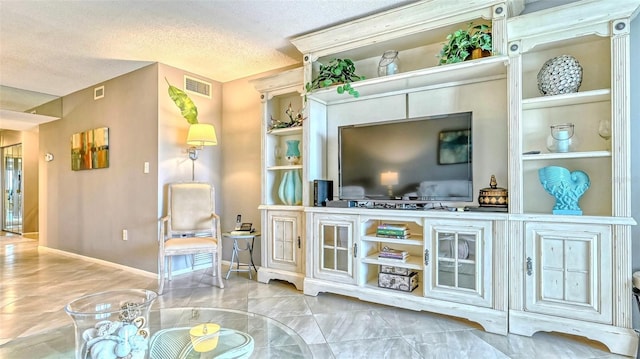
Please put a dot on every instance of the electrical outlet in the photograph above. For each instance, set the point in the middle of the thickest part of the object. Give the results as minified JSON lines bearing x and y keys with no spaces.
{"x":125,"y":235}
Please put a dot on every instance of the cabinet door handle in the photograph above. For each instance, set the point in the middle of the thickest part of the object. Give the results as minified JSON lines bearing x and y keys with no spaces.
{"x":355,"y":250}
{"x":529,"y":266}
{"x":426,"y":257}
{"x":299,"y":242}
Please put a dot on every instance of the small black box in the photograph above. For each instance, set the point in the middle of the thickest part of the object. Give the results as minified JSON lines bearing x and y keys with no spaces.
{"x":322,"y":192}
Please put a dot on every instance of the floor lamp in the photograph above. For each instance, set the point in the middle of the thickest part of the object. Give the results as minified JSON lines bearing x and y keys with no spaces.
{"x":200,"y":135}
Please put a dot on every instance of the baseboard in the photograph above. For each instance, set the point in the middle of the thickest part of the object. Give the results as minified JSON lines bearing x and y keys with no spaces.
{"x":127,"y":268}
{"x":99,"y":261}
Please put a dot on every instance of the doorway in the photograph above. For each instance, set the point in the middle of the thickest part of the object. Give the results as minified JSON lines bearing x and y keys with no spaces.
{"x":12,"y":189}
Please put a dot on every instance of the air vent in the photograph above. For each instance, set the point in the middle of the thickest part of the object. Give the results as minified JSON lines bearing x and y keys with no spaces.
{"x":98,"y":92}
{"x":197,"y":86}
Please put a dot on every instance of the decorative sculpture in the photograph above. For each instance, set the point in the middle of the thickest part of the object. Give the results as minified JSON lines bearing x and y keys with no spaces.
{"x":567,"y":187}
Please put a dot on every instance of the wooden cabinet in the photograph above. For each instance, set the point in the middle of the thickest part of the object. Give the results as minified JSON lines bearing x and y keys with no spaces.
{"x":283,"y":256}
{"x":345,"y":247}
{"x":564,"y":270}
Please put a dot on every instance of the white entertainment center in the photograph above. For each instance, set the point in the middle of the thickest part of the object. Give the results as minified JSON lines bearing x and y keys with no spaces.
{"x":521,"y":271}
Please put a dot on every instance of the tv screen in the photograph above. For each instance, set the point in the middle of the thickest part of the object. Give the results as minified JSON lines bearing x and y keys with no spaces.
{"x":419,"y":159}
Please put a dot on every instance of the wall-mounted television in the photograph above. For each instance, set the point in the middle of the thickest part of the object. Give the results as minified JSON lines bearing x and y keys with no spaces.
{"x":417,"y":159}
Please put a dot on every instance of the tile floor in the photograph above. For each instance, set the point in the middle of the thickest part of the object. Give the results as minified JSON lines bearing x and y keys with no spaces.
{"x":35,"y":286}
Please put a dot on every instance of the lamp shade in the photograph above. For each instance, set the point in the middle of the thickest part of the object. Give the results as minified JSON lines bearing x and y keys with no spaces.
{"x":202,"y":134}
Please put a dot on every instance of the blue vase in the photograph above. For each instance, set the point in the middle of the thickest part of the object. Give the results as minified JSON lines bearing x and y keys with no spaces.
{"x":290,"y":190}
{"x":293,"y":152}
{"x":567,"y":187}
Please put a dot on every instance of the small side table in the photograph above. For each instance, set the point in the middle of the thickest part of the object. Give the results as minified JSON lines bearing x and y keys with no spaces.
{"x":248,"y":240}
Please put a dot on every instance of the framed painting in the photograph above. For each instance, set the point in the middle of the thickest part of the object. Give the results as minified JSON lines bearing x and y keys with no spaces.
{"x":90,"y":149}
{"x":454,"y":147}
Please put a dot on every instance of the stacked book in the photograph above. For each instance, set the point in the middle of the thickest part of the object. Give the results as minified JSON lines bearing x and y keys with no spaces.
{"x":393,"y":254}
{"x":398,"y":231}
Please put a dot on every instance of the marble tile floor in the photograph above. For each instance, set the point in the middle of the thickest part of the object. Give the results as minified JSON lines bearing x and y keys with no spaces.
{"x":35,"y":286}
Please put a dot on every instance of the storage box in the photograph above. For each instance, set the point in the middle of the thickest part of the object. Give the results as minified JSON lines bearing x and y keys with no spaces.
{"x":405,"y":283}
{"x":394,"y":270}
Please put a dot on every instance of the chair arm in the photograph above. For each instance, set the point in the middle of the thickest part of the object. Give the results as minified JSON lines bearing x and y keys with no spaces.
{"x":216,"y":218}
{"x":162,"y":222}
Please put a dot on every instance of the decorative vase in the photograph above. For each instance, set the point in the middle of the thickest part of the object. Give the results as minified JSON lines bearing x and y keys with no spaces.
{"x":290,"y":190}
{"x":388,"y":64}
{"x":293,"y":152}
{"x":112,"y":324}
{"x":567,"y":187}
{"x":562,"y":138}
{"x":560,"y":75}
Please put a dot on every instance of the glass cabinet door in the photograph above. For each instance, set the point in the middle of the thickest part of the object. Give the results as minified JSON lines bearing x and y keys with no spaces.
{"x":456,"y":266}
{"x":335,"y":259}
{"x":335,"y":246}
{"x":458,"y":261}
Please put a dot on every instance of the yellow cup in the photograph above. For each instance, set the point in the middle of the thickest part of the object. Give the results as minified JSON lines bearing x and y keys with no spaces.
{"x":204,"y":337}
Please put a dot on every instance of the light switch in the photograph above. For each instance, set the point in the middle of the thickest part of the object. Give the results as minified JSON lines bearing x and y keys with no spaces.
{"x":146,"y":167}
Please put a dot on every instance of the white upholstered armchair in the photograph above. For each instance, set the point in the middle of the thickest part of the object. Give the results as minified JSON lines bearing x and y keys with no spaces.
{"x":190,"y":227}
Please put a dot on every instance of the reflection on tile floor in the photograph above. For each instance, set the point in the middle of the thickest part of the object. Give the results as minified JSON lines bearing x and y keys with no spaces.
{"x":35,"y":286}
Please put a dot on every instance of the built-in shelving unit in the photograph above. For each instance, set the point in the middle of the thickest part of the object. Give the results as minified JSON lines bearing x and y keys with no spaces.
{"x":523,"y":271}
{"x":596,"y":244}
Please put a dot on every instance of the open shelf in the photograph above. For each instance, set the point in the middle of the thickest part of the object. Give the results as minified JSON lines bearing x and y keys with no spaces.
{"x":413,"y":239}
{"x":413,"y":262}
{"x":285,"y":131}
{"x":569,"y":99}
{"x":566,"y":155}
{"x":492,"y":67}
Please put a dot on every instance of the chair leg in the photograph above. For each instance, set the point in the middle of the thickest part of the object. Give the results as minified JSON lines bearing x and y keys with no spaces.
{"x":217,"y":270}
{"x":169,"y":267}
{"x":161,"y":263}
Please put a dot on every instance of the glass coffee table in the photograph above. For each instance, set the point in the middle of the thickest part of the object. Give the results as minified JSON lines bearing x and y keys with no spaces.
{"x":239,"y":335}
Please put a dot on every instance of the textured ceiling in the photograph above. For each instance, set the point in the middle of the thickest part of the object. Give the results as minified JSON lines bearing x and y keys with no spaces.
{"x":53,"y":48}
{"x":59,"y":47}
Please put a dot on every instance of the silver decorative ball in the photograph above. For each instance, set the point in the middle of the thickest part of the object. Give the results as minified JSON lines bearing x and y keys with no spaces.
{"x":560,"y":75}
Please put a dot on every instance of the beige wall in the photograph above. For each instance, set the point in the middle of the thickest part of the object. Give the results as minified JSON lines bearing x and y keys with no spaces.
{"x":241,"y":158}
{"x":30,"y":181}
{"x":84,"y":212}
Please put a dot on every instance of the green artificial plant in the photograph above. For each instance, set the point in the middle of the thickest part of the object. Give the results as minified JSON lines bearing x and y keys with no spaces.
{"x":339,"y":72}
{"x":461,"y":43}
{"x":187,"y":108}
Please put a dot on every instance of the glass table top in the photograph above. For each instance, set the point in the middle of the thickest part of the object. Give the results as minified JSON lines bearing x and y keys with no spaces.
{"x":240,"y":335}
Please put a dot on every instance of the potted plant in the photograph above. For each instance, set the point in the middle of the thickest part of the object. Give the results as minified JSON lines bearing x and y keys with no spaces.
{"x":472,"y":43}
{"x":339,"y":72}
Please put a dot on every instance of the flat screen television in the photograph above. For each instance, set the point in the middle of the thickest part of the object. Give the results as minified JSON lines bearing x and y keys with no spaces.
{"x":417,"y":159}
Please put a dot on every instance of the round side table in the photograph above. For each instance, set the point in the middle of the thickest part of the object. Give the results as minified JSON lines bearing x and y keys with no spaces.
{"x":247,"y":240}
